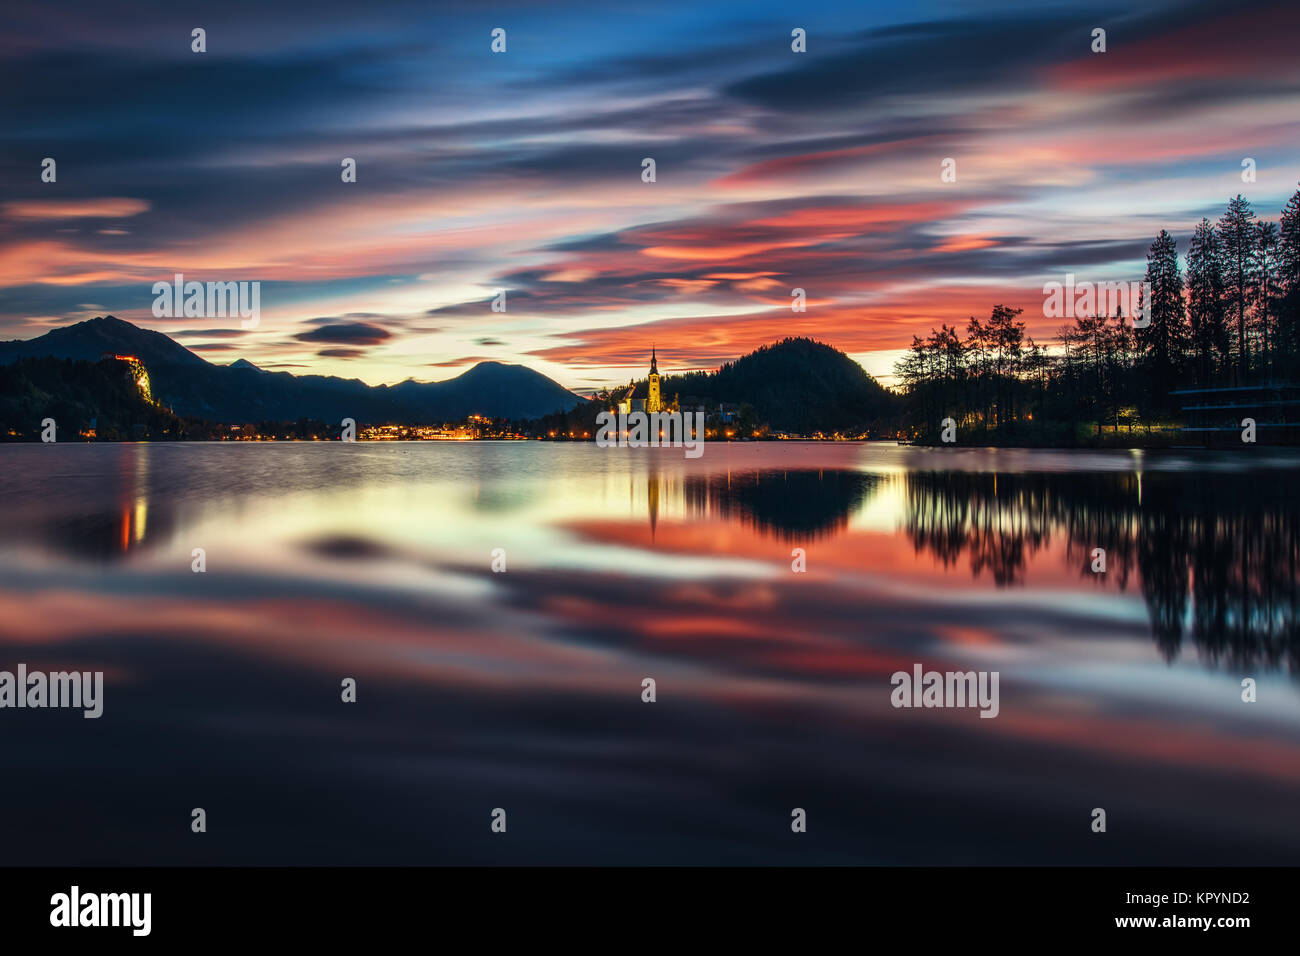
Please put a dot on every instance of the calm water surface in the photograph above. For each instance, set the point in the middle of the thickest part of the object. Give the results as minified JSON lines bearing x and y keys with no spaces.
{"x":522,"y":689}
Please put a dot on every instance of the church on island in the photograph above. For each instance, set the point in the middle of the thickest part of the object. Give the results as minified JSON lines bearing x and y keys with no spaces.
{"x":653,"y":402}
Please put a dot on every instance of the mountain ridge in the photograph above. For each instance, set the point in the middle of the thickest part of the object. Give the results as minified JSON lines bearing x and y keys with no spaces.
{"x":242,"y":393}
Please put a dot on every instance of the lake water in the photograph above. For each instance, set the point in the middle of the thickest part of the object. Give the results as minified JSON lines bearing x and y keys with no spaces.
{"x":522,"y":690}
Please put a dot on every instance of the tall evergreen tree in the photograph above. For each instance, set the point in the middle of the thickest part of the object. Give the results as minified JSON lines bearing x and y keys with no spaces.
{"x":1164,"y":340}
{"x":1205,"y":306}
{"x":1266,"y":282}
{"x":1237,"y":245}
{"x":979,"y":349}
{"x":1006,"y":338}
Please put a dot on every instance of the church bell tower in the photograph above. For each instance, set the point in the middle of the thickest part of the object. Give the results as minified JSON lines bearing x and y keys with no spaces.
{"x":652,"y":401}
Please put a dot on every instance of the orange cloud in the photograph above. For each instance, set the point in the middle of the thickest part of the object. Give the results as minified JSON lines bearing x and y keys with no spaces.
{"x":75,"y":208}
{"x":716,"y":252}
{"x":965,"y":243}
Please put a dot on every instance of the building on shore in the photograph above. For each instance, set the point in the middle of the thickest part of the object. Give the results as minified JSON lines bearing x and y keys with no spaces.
{"x":1216,"y":416}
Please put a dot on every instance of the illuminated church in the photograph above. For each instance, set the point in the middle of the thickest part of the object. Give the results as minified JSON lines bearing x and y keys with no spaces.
{"x":653,"y":402}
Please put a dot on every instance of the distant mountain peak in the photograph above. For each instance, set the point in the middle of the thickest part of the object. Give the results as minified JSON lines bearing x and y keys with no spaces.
{"x":480,"y":368}
{"x":244,"y":363}
{"x":89,"y":339}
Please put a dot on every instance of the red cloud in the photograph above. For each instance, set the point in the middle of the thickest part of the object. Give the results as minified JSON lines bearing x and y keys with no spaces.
{"x":810,"y":164}
{"x":1259,"y":44}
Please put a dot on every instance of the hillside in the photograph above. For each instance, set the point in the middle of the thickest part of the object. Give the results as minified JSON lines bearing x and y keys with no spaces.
{"x":91,"y":339}
{"x":796,"y":385}
{"x":78,"y":395}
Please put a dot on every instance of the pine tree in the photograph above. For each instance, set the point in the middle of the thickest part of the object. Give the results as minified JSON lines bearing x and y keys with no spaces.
{"x":1266,"y":281}
{"x":1164,"y":340}
{"x":1205,"y":309}
{"x":978,"y":346}
{"x":1006,"y":338}
{"x":1237,"y":245}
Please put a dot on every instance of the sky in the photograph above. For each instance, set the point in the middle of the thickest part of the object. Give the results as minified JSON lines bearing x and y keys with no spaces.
{"x":479,"y":171}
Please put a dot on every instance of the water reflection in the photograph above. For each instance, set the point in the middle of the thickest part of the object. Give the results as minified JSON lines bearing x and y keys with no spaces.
{"x":107,"y":536}
{"x":101,"y":517}
{"x":480,"y":689}
{"x":1216,"y":553}
{"x":791,"y":504}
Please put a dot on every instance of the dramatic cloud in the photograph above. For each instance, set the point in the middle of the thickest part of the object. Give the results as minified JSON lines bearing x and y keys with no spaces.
{"x":351,"y":333}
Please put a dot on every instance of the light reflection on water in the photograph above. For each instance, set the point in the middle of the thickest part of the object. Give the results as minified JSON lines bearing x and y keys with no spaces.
{"x":522,"y":689}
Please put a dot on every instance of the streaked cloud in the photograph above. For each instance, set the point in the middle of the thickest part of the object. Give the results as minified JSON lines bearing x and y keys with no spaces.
{"x":77,"y":209}
{"x":478,"y":173}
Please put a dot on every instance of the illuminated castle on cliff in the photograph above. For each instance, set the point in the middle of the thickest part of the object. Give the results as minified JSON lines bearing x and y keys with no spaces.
{"x":136,"y":371}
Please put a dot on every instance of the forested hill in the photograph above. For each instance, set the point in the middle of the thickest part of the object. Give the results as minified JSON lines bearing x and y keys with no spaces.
{"x":795,"y":385}
{"x":79,"y":396}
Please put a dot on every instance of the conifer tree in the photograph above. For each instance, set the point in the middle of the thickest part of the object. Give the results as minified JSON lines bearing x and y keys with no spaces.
{"x":1237,"y":246}
{"x":1164,"y":340}
{"x":1205,"y":306}
{"x":1266,"y":250}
